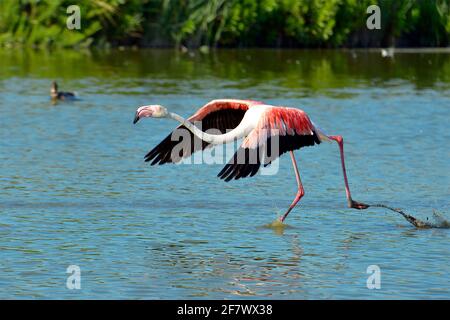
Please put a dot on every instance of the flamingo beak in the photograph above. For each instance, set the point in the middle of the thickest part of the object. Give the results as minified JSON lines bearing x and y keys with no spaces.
{"x":136,"y":118}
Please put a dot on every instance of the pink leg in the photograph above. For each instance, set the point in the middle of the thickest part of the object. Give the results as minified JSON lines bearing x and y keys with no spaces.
{"x":351,"y":203}
{"x":300,"y":191}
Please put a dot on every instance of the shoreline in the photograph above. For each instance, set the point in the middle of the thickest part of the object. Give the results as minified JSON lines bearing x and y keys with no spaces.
{"x":206,"y":50}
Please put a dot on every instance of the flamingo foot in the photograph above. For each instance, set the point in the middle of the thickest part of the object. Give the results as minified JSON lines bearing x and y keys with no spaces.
{"x":358,"y":205}
{"x":283,"y":217}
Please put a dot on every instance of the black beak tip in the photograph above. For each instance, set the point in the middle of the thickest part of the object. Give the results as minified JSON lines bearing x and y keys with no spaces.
{"x":136,"y":119}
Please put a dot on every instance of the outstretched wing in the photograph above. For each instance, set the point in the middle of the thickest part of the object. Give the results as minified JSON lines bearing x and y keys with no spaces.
{"x":222,"y":115}
{"x":279,"y":130}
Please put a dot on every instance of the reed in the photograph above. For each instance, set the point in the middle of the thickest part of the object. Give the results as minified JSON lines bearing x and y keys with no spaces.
{"x":225,"y":23}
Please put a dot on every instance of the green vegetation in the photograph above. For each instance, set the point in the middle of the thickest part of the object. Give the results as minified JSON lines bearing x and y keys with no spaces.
{"x":225,"y":23}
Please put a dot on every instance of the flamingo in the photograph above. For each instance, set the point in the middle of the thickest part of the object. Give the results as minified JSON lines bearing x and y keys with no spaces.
{"x":257,"y":123}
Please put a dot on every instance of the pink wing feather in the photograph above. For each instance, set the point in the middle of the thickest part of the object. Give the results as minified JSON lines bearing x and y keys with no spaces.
{"x":291,"y":127}
{"x":279,"y":121}
{"x":222,"y":104}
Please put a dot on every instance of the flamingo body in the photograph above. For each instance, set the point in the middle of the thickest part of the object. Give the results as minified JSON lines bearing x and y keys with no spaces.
{"x":292,"y":127}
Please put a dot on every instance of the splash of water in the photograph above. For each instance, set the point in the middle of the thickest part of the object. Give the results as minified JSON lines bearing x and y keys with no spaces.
{"x":439,"y":221}
{"x":275,"y":224}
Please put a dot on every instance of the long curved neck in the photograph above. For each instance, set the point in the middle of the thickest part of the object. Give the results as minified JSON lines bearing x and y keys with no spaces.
{"x":237,"y":133}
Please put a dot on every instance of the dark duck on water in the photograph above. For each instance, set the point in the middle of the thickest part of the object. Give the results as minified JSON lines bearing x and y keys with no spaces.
{"x":60,"y":95}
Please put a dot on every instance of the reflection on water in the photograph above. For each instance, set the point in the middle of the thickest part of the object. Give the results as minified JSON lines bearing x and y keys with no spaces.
{"x":250,"y":274}
{"x":74,"y":188}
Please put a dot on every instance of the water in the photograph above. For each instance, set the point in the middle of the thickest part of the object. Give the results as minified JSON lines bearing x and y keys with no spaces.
{"x":74,"y":189}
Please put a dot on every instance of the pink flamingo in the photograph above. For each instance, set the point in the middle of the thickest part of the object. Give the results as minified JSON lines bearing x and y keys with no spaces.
{"x":254,"y":121}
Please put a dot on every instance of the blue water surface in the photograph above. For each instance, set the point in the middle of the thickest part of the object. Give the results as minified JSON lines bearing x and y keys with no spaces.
{"x":74,"y":189}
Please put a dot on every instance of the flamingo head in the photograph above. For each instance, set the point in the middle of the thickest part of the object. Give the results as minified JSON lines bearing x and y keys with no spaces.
{"x":151,"y":111}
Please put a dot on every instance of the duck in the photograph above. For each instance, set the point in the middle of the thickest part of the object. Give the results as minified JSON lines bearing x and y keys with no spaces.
{"x":60,"y":95}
